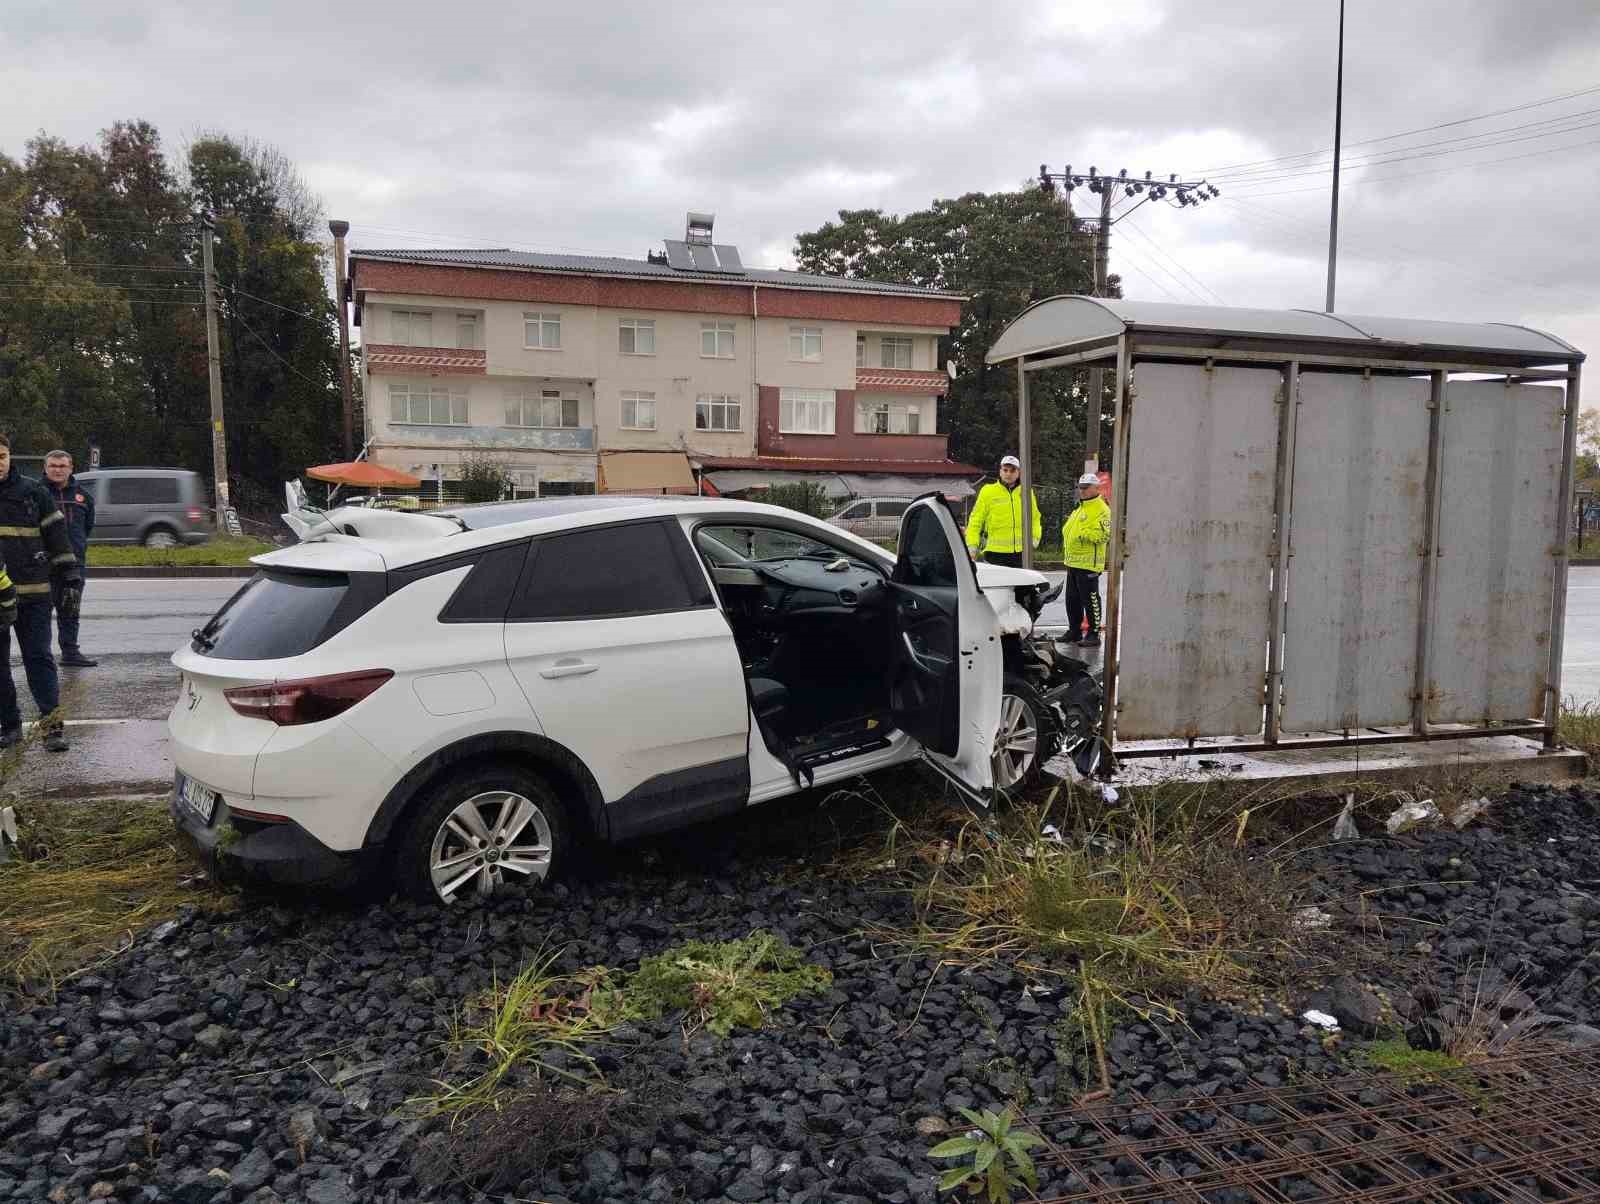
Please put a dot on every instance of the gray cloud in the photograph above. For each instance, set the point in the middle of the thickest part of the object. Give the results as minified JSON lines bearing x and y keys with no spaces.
{"x":595,"y":126}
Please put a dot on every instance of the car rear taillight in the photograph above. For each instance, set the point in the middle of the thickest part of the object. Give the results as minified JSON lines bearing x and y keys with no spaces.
{"x":195,"y":514}
{"x":308,"y":699}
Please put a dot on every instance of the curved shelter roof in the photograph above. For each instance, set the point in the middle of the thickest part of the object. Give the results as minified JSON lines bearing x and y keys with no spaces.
{"x":1068,"y":324}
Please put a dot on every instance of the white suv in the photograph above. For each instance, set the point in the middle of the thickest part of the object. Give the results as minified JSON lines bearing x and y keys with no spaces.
{"x":462,"y":695}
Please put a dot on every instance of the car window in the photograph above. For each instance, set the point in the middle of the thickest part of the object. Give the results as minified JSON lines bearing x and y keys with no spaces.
{"x":142,"y":491}
{"x":859,"y":510}
{"x":274,"y":615}
{"x":925,"y":556}
{"x":892,"y":509}
{"x":609,"y":571}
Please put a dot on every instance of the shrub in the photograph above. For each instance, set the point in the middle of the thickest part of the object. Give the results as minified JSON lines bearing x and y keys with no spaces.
{"x":807,"y":497}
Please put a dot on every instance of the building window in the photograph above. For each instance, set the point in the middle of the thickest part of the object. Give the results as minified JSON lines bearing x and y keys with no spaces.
{"x":467,"y":332}
{"x":888,"y":418}
{"x":639,"y":411}
{"x":434,"y":405}
{"x":805,"y":343}
{"x":861,"y":351}
{"x":716,"y":340}
{"x":411,"y":328}
{"x":546,"y":408}
{"x":805,"y":411}
{"x":716,"y":412}
{"x":637,"y":336}
{"x":894,"y":353}
{"x":542,"y":332}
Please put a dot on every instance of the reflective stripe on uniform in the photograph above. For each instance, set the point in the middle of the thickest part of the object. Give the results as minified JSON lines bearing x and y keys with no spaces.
{"x":42,"y":588}
{"x":22,"y":532}
{"x":53,"y":517}
{"x":64,"y":558}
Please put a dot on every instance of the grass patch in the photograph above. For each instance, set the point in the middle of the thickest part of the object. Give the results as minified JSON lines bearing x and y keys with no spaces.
{"x":86,"y":877}
{"x":1580,"y":729}
{"x":221,"y":550}
{"x":534,"y":1033}
{"x":721,"y":985}
{"x":1397,"y":1057}
{"x":1130,"y":902}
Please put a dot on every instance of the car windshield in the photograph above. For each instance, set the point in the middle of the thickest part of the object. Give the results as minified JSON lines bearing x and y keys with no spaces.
{"x":751,"y":544}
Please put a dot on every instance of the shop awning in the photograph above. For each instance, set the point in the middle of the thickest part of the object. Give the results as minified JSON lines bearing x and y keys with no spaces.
{"x":363,"y":474}
{"x":645,"y":472}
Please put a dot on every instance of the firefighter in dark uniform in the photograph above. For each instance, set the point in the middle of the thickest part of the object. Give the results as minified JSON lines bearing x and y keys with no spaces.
{"x":77,"y":506}
{"x":35,"y":552}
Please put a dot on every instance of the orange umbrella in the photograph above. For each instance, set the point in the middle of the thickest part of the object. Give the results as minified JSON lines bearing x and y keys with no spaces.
{"x":365,"y":475}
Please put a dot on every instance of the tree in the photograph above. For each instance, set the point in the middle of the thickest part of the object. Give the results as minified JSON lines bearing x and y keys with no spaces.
{"x":484,"y":479}
{"x":102,"y":322}
{"x":1003,"y":251}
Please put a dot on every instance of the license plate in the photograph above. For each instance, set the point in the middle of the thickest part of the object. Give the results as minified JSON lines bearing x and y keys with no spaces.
{"x":202,"y":800}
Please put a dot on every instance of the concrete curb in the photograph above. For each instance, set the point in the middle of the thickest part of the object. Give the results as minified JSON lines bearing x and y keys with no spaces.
{"x":170,"y":570}
{"x":1584,"y":562}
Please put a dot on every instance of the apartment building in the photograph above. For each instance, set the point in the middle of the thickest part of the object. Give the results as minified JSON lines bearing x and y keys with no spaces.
{"x":682,"y":371}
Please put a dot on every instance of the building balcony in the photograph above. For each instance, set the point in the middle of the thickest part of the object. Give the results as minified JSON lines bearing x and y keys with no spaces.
{"x":489,"y":438}
{"x":395,"y":358}
{"x":851,"y":445}
{"x":901,"y":380}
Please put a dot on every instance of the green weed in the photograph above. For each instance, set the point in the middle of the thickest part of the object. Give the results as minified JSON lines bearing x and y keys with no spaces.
{"x":999,"y":1153}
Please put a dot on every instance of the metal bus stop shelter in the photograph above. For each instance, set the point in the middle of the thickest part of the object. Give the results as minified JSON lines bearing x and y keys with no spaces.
{"x":1383,"y":559}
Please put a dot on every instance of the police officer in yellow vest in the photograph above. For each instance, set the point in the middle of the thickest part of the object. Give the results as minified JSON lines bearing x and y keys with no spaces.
{"x":996,"y":522}
{"x":1084,"y":538}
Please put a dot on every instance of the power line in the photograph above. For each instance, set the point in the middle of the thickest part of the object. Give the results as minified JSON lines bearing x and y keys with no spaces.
{"x":1165,"y":291}
{"x":1534,"y":104}
{"x":274,"y":354}
{"x":1406,"y":157}
{"x":1563,"y":120}
{"x":1437,"y":170}
{"x":1160,"y":250}
{"x":237,"y":291}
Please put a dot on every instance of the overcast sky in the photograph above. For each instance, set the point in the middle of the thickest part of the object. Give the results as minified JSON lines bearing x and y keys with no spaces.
{"x":593,"y":127}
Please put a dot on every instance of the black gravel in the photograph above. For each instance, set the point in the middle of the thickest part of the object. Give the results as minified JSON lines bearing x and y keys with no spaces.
{"x":267,"y":1055}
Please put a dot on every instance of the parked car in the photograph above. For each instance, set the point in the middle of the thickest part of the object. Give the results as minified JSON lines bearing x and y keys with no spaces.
{"x":156,"y":507}
{"x":872,"y":517}
{"x":460,"y":696}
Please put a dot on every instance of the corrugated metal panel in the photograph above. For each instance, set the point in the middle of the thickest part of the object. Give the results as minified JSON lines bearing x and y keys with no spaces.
{"x":1355,"y":577}
{"x":1196,"y":561}
{"x":1501,"y":455}
{"x":1060,"y":323}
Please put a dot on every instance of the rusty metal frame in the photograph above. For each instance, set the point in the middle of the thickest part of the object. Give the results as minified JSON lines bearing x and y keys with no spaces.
{"x":1122,"y":407}
{"x":1427,"y":607}
{"x":1520,"y":1128}
{"x":1558,"y":612}
{"x":1219,"y":744}
{"x":1288,"y":418}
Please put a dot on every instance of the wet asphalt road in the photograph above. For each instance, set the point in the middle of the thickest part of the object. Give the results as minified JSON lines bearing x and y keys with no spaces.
{"x":118,"y":711}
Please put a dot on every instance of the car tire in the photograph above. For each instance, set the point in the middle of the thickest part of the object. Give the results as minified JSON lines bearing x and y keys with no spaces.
{"x":516,"y":810}
{"x":161,"y":537}
{"x":1028,"y":737}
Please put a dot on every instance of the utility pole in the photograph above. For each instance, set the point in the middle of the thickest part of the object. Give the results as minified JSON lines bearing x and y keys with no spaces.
{"x":1102,"y":261}
{"x":1338,"y":124}
{"x":219,"y":439}
{"x":339,"y":230}
{"x":1181,"y":194}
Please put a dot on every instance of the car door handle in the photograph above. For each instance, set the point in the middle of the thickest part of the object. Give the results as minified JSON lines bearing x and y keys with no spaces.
{"x":568,"y":666}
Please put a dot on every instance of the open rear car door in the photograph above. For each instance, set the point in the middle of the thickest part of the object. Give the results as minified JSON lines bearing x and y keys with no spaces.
{"x":946,"y":676}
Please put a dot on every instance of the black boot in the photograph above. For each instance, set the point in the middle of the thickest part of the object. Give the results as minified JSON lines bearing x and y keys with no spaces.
{"x":77,"y":659}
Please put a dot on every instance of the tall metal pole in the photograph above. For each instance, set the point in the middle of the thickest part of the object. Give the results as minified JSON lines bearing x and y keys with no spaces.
{"x":1102,"y":259}
{"x":1025,"y":453}
{"x":1338,"y":130}
{"x":339,"y":230}
{"x":219,"y":439}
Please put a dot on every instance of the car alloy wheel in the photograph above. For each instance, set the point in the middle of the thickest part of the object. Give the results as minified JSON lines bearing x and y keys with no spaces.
{"x":1016,"y":744}
{"x":161,"y":538}
{"x":488,"y":839}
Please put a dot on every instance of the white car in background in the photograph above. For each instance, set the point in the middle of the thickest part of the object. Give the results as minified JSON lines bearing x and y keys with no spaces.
{"x":461,"y":695}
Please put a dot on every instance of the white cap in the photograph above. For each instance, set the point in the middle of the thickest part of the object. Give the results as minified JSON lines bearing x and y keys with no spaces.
{"x":1010,"y":461}
{"x":1088,"y":478}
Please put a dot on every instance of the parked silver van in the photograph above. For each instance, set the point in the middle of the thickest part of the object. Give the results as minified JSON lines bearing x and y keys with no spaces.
{"x":156,"y":507}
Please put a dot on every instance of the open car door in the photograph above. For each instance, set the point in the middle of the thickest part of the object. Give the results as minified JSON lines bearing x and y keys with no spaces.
{"x":946,"y":677}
